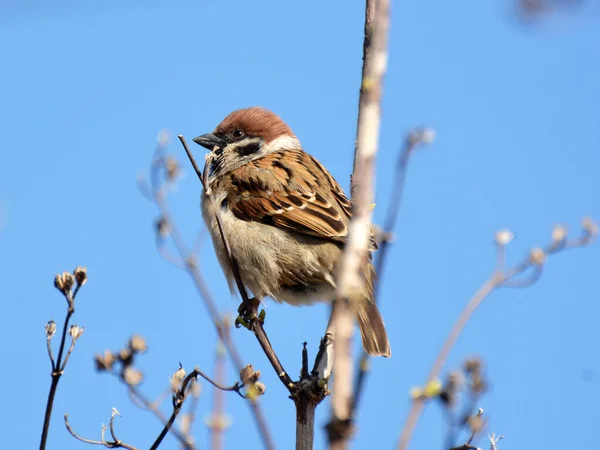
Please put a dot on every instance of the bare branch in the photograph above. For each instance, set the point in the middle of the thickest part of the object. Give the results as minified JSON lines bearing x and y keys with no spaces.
{"x":234,"y":388}
{"x":353,"y":263}
{"x":501,"y":277}
{"x":179,"y":397}
{"x":183,"y":438}
{"x":108,"y":444}
{"x":64,"y":283}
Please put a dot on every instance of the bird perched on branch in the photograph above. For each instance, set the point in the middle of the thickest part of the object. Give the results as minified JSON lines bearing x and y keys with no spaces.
{"x":285,"y":217}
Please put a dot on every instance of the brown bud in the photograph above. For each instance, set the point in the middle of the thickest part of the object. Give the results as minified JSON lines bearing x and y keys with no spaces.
{"x":476,"y":422}
{"x":472,"y":365}
{"x":104,"y":362}
{"x":75,"y":332}
{"x":137,"y":344}
{"x":68,"y":281}
{"x":126,"y":356}
{"x":132,"y":376}
{"x":80,"y":275}
{"x":177,"y":379}
{"x":59,"y":283}
{"x":248,"y":375}
{"x":478,"y":385}
{"x":50,"y":328}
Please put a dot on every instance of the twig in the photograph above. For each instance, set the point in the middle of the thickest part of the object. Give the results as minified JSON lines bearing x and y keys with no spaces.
{"x":108,"y":444}
{"x":63,"y":283}
{"x":187,"y":421}
{"x":112,"y":424}
{"x":415,"y":139}
{"x":149,"y":406}
{"x":456,"y":427}
{"x":501,"y":277}
{"x":476,"y":427}
{"x":255,"y":325}
{"x":179,"y":398}
{"x":352,"y":265}
{"x":200,"y":284}
{"x":234,"y":388}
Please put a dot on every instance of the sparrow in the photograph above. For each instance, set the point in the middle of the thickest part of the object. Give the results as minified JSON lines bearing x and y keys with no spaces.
{"x":285,"y":217}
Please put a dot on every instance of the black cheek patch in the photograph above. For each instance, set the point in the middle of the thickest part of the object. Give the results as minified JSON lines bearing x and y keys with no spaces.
{"x":248,"y":149}
{"x":215,"y":166}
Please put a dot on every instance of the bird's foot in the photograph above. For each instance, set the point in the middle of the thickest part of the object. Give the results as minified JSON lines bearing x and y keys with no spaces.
{"x":246,"y":317}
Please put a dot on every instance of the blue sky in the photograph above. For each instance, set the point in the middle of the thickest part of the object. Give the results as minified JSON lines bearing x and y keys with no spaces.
{"x":85,"y":89}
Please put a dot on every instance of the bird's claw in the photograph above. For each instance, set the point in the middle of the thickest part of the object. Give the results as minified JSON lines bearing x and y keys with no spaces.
{"x":245,"y":317}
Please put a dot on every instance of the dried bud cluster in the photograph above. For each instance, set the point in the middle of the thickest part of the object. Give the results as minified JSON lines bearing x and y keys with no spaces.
{"x":449,"y":392}
{"x":476,"y":422}
{"x":75,"y":332}
{"x":123,"y":360}
{"x":104,"y":362}
{"x":50,"y":328}
{"x":473,"y":369}
{"x":470,"y":382}
{"x":137,"y":344}
{"x":177,"y":379}
{"x":64,"y":282}
{"x":80,"y":275}
{"x":250,"y":378}
{"x":132,"y":376}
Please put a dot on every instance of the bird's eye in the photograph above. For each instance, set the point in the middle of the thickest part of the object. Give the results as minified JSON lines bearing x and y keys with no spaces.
{"x":237,"y":133}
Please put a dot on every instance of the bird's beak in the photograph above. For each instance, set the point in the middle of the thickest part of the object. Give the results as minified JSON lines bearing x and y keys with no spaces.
{"x":209,"y":141}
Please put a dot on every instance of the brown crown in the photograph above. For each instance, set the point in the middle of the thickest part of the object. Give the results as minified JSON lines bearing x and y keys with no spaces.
{"x":255,"y":121}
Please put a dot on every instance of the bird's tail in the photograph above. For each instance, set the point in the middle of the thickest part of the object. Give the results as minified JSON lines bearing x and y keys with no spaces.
{"x":372,"y":329}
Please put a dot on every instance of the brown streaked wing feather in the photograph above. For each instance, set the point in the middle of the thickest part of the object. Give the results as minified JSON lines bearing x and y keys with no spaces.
{"x":294,"y":193}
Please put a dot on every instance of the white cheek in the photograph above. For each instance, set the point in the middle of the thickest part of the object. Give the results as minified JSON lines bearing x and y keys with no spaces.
{"x":282,"y":143}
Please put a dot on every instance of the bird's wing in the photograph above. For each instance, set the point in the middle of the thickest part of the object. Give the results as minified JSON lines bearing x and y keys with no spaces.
{"x":293,"y":191}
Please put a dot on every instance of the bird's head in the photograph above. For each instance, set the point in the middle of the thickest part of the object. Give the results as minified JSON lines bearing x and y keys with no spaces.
{"x":243,"y":136}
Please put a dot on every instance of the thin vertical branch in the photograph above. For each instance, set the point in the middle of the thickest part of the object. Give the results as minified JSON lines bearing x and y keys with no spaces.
{"x":56,"y":374}
{"x":218,"y":422}
{"x":354,"y":260}
{"x":64,"y":284}
{"x":412,"y":141}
